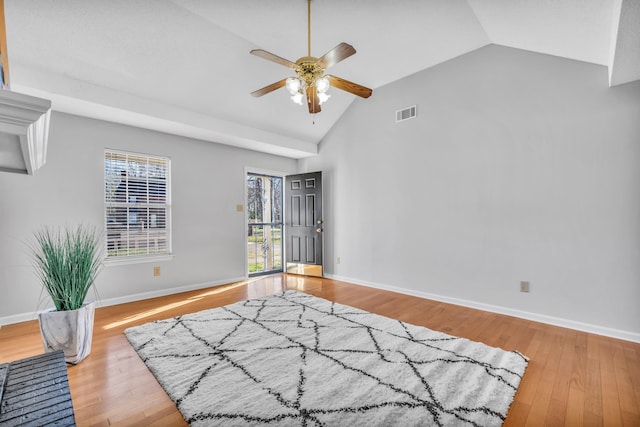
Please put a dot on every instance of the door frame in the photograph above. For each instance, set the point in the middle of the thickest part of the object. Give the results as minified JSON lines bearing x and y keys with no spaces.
{"x":258,"y":171}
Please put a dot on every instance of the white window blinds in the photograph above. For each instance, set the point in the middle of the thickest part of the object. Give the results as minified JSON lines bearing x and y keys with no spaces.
{"x":137,"y":204}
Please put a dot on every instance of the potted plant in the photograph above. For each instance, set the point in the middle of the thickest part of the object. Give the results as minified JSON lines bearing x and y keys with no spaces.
{"x":67,"y":262}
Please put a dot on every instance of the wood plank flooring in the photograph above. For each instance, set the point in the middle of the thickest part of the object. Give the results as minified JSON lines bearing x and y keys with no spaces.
{"x":573,"y":379}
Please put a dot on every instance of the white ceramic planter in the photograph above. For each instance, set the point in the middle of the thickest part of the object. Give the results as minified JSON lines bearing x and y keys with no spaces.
{"x":69,"y":331}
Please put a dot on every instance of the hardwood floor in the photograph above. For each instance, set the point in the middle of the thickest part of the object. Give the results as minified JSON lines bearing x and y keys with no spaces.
{"x":573,"y":378}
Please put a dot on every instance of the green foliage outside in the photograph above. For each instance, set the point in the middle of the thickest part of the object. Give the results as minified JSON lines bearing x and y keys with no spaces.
{"x":260,"y":249}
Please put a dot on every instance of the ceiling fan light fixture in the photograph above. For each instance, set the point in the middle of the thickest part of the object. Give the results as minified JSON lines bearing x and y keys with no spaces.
{"x":297,"y":98}
{"x":322,"y":84}
{"x":293,"y":85}
{"x":310,"y":80}
{"x":323,"y":97}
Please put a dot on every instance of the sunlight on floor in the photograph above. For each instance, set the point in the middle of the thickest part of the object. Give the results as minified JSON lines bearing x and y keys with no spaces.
{"x":189,"y":300}
{"x":256,"y":287}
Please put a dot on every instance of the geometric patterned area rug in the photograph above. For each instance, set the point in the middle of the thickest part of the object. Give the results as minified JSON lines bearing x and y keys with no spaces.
{"x":292,"y":359}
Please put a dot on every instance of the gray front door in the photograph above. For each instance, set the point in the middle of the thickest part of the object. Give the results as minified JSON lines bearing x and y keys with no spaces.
{"x":303,"y":223}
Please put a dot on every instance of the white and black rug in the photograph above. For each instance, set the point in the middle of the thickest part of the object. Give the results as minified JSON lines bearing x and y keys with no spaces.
{"x":296,"y":360}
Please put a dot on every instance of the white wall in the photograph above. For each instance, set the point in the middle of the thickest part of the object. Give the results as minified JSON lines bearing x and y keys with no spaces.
{"x":519,"y":166}
{"x":207,"y":183}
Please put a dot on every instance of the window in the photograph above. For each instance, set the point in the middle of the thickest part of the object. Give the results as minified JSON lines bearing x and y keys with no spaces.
{"x":137,"y":205}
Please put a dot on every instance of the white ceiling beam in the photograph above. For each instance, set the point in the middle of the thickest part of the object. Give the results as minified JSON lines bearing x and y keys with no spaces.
{"x":145,"y":114}
{"x":624,"y":54}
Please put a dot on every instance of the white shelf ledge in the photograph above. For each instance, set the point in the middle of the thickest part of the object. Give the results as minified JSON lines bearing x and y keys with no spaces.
{"x":24,"y":132}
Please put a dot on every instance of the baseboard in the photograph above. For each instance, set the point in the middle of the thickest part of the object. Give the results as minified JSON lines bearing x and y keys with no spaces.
{"x":18,"y":318}
{"x":23,"y":317}
{"x":550,"y":320}
{"x":169,"y":291}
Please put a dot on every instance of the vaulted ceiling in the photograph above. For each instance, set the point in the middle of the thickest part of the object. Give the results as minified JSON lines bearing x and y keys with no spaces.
{"x":183,"y":66}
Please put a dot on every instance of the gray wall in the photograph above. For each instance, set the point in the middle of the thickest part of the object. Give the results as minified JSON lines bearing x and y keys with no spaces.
{"x":519,"y":166}
{"x":208,"y":181}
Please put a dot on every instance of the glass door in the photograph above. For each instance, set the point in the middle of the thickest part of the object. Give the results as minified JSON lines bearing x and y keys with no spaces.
{"x":264,"y":228}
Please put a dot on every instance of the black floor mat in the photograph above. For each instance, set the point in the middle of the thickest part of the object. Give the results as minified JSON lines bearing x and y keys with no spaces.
{"x":36,"y":392}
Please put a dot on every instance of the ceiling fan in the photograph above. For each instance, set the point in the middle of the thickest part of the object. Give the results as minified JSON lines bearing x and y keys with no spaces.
{"x":310,"y":79}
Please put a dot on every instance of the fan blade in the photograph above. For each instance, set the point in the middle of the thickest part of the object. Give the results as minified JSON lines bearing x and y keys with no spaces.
{"x":312,"y":100}
{"x":267,"y":89}
{"x":275,"y":58}
{"x":335,"y":55}
{"x":350,"y":87}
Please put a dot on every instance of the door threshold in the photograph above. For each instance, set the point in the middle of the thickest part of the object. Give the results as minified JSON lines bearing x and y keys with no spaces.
{"x":304,"y":269}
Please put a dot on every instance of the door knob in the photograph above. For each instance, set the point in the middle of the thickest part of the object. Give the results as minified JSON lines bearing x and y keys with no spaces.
{"x":319,"y":221}
{"x":319,"y":230}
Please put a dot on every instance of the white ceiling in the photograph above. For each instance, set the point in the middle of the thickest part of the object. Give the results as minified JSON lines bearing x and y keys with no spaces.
{"x":183,"y":66}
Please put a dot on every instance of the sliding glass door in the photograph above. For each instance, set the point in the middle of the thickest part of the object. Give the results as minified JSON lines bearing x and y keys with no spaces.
{"x":264,"y":228}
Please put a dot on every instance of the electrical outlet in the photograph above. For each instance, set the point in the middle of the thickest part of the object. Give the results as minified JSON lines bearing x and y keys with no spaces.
{"x":338,"y":260}
{"x":156,"y":271}
{"x":239,"y":208}
{"x":524,"y":286}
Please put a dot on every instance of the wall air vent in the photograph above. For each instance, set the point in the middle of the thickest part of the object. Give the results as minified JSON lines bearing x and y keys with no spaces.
{"x":406,"y":113}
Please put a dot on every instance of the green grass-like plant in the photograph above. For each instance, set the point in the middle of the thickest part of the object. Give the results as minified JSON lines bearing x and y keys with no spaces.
{"x":67,"y":261}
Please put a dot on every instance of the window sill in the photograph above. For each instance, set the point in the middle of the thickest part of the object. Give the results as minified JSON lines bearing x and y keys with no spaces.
{"x":126,"y":260}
